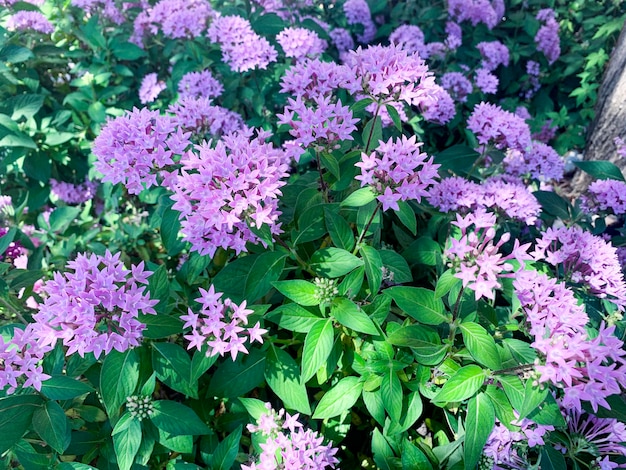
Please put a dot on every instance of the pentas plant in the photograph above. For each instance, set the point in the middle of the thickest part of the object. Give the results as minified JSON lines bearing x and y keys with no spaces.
{"x":306,"y":235}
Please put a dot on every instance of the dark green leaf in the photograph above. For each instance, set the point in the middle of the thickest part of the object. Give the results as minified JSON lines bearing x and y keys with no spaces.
{"x":383,"y":453}
{"x":397,"y":266}
{"x":61,"y":387}
{"x":424,"y":250}
{"x":420,"y":303}
{"x":118,"y":379}
{"x":235,"y":379}
{"x":283,"y":376}
{"x":553,"y":204}
{"x":266,"y":269}
{"x":62,"y":217}
{"x":413,"y":457}
{"x":601,"y":169}
{"x":126,"y":440}
{"x":339,"y":230}
{"x":177,"y":419}
{"x":407,"y":216}
{"x":424,"y":342}
{"x":51,"y":424}
{"x":225,"y":453}
{"x":372,"y":133}
{"x":552,"y":459}
{"x":334,"y":262}
{"x":16,"y":413}
{"x":481,"y":345}
{"x":339,"y":398}
{"x":458,"y":158}
{"x":170,"y":227}
{"x":14,"y":54}
{"x":172,"y":366}
{"x":25,"y":105}
{"x":479,"y":422}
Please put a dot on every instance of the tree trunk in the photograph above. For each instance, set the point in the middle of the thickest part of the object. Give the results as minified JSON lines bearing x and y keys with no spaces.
{"x":610,"y":117}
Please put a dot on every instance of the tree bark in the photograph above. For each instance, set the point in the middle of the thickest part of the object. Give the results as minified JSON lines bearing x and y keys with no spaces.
{"x":610,"y":117}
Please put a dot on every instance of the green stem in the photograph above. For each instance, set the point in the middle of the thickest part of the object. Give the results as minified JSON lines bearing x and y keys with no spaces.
{"x":13,"y":310}
{"x":303,"y":264}
{"x":367,"y":226}
{"x":323,"y":186}
{"x":371,"y":134}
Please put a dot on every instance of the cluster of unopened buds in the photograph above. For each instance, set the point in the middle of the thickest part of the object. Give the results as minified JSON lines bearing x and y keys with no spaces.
{"x":326,"y":290}
{"x":139,"y":407}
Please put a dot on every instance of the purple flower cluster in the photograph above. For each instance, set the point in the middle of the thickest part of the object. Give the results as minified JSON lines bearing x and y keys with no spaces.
{"x":583,"y":258}
{"x":225,"y":189}
{"x":621,"y":146}
{"x":455,"y":35}
{"x":94,"y":307}
{"x":300,"y":43}
{"x":461,"y":195}
{"x":587,"y":369}
{"x":540,"y":161}
{"x":506,"y":448}
{"x":486,"y":81}
{"x":492,"y":124}
{"x":29,"y":21}
{"x":532,"y":85}
{"x":489,"y":12}
{"x":477,"y":260}
{"x":200,"y":117}
{"x":397,"y":170}
{"x":220,"y":325}
{"x":199,"y":85}
{"x":457,"y":85}
{"x":174,"y":18}
{"x":132,"y":149}
{"x":358,"y":14}
{"x":312,"y":78}
{"x":410,"y":38}
{"x":547,"y":38}
{"x":20,"y":360}
{"x":73,"y":193}
{"x":442,"y":110}
{"x":606,"y":196}
{"x":105,"y":8}
{"x":242,"y":48}
{"x":494,"y":54}
{"x":288,"y":445}
{"x":14,"y":250}
{"x":151,"y":87}
{"x":342,"y":40}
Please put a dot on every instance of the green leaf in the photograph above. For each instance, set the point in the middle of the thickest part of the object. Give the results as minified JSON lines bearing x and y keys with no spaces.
{"x":394,"y":115}
{"x":412,"y":408}
{"x":301,"y":292}
{"x":26,"y":105}
{"x":413,"y":457}
{"x":225,"y":453}
{"x":170,"y":227}
{"x":514,"y":390}
{"x":501,"y":404}
{"x":339,"y":398}
{"x":407,"y":216}
{"x":372,"y":133}
{"x":172,"y":366}
{"x":126,"y":440}
{"x":553,"y":204}
{"x":62,"y":217}
{"x":233,"y":277}
{"x":318,"y":345}
{"x":177,"y":419}
{"x":481,"y":345}
{"x":159,"y":287}
{"x":424,"y":342}
{"x":397,"y":266}
{"x":256,"y":408}
{"x":361,"y":105}
{"x":359,"y":198}
{"x":200,"y":363}
{"x":383,"y":453}
{"x":391,"y":392}
{"x":18,"y":140}
{"x":127,"y":51}
{"x":16,"y":413}
{"x":160,"y":326}
{"x":283,"y":376}
{"x":15,"y":54}
{"x":268,"y":24}
{"x":334,"y":262}
{"x":310,"y":225}
{"x":373,"y":267}
{"x":446,"y":282}
{"x":602,"y":170}
{"x":420,"y":303}
{"x":533,"y":396}
{"x":551,"y":459}
{"x":548,"y":413}
{"x":375,"y":406}
{"x":352,"y":283}
{"x":182,"y":444}
{"x":459,"y":158}
{"x":462,"y":385}
{"x":61,"y":387}
{"x":293,"y":317}
{"x":349,"y":314}
{"x":233,"y":379}
{"x":266,"y":269}
{"x":51,"y":424}
{"x":118,"y":379}
{"x":479,"y":422}
{"x":339,"y":230}
{"x":424,"y":250}
{"x":7,"y":239}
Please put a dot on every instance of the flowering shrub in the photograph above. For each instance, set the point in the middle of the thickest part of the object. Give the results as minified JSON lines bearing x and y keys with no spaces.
{"x":286,"y":234}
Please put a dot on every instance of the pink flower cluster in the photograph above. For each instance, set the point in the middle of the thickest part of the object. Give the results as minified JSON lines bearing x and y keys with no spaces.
{"x":547,"y":38}
{"x":223,"y":190}
{"x":20,"y":360}
{"x":73,"y":193}
{"x":312,"y":78}
{"x":397,"y":170}
{"x":358,"y":14}
{"x":505,"y":447}
{"x":411,"y":38}
{"x":29,"y":21}
{"x":606,"y":196}
{"x":587,"y":369}
{"x":220,"y":325}
{"x":489,"y":12}
{"x":199,"y":85}
{"x":151,"y":88}
{"x":200,"y":117}
{"x":300,"y":43}
{"x":583,"y":258}
{"x":486,"y":81}
{"x":540,"y":161}
{"x":94,"y":307}
{"x":242,"y":48}
{"x":288,"y":446}
{"x":475,"y":257}
{"x":492,"y":124}
{"x":174,"y":18}
{"x":132,"y":149}
{"x":461,"y":195}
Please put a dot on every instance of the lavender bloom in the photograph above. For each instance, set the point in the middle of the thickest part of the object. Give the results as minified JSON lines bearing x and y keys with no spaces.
{"x":95,"y":306}
{"x":532,"y":85}
{"x":300,"y":43}
{"x":397,"y":171}
{"x":20,"y":361}
{"x":547,"y":38}
{"x":223,"y":190}
{"x":288,"y":445}
{"x":312,"y":78}
{"x":442,"y":110}
{"x":358,"y":13}
{"x":540,"y":161}
{"x":242,"y":48}
{"x":150,"y":88}
{"x":200,"y":117}
{"x":73,"y":193}
{"x":492,"y":124}
{"x":457,"y":85}
{"x":287,"y":9}
{"x":342,"y":40}
{"x":621,"y":146}
{"x":410,"y":38}
{"x":507,"y":449}
{"x":15,"y":249}
{"x":584,"y":258}
{"x":29,"y":20}
{"x":455,"y":35}
{"x":132,"y":149}
{"x":220,"y":325}
{"x":199,"y":85}
{"x":486,"y":81}
{"x":607,"y":196}
{"x":476,"y":11}
{"x":105,"y":8}
{"x":494,"y":53}
{"x":477,"y":260}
